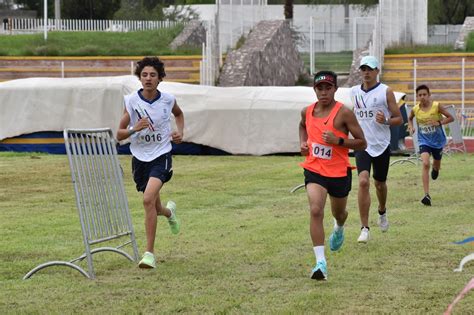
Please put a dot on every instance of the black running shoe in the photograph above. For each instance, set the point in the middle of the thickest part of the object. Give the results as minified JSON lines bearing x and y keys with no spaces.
{"x":434,"y":174}
{"x":426,"y":200}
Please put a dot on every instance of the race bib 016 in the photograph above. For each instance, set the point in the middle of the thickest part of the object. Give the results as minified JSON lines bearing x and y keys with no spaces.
{"x":149,"y":137}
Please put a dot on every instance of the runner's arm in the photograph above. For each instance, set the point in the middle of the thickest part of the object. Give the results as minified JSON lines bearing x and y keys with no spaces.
{"x":396,"y":117}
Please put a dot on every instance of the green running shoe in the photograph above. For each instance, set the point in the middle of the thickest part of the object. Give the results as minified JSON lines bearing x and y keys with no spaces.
{"x":148,"y":261}
{"x":320,"y":271}
{"x":336,"y":239}
{"x":173,"y":220}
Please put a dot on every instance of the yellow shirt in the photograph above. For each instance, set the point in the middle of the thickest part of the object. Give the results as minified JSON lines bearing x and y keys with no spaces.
{"x":428,"y":134}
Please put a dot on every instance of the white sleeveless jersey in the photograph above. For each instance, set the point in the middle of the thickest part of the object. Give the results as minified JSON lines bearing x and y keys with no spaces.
{"x":148,"y":144}
{"x":366,"y":105}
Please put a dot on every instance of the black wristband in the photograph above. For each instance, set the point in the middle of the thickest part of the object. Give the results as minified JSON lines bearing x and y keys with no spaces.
{"x":341,"y":141}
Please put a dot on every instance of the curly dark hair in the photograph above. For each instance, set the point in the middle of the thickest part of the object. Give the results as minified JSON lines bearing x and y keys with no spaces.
{"x":154,"y":62}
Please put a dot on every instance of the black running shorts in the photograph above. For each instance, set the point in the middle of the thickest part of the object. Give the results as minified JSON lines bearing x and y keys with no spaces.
{"x":379,"y":163}
{"x":160,"y":168}
{"x":338,"y":187}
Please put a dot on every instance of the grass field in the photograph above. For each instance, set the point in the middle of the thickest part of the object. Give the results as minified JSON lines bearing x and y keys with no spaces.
{"x":244,"y":245}
{"x":336,"y":61}
{"x":142,"y":43}
{"x":420,"y":49}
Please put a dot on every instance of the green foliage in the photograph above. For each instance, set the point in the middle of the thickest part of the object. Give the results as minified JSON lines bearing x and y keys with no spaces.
{"x":181,"y":13}
{"x":138,"y":10}
{"x":90,"y":50}
{"x":188,"y":50}
{"x":422,"y":49}
{"x":449,"y":12}
{"x":190,"y":2}
{"x":470,"y":42}
{"x":153,"y":10}
{"x":86,"y":9}
{"x":419,"y":49}
{"x":244,"y":246}
{"x":365,"y":3}
{"x":240,"y":42}
{"x":76,"y":9}
{"x":115,"y":9}
{"x":46,"y":50}
{"x":304,"y":79}
{"x":37,"y":5}
{"x":141,"y":43}
{"x":439,"y":11}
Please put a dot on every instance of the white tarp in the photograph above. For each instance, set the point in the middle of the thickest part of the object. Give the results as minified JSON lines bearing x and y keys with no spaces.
{"x":53,"y":104}
{"x":239,"y":120}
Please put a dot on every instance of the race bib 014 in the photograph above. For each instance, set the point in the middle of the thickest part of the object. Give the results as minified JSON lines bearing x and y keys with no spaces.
{"x":321,"y":151}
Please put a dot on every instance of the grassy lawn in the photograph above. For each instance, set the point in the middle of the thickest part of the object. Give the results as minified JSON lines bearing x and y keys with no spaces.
{"x":155,"y":42}
{"x":420,"y":49}
{"x":244,"y":245}
{"x":337,"y":62}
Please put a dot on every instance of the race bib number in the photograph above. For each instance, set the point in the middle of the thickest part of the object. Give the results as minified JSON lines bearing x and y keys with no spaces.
{"x":427,"y":129}
{"x":321,"y":151}
{"x":150,"y":137}
{"x":365,"y":114}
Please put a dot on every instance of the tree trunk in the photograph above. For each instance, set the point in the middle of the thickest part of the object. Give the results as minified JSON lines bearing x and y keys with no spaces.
{"x":288,"y":9}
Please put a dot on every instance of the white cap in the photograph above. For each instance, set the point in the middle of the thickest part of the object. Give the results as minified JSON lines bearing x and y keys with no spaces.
{"x":369,"y":61}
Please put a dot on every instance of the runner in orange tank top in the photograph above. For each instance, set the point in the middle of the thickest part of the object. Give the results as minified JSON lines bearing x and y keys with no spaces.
{"x":329,"y":161}
{"x":324,"y":140}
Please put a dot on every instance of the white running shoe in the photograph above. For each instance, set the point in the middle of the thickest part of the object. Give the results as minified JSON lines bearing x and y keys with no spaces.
{"x":383,"y":222}
{"x":148,"y":261}
{"x":364,"y":235}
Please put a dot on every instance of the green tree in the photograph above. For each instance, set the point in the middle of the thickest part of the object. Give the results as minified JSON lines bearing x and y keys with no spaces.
{"x":75,"y":9}
{"x":154,"y":10}
{"x":449,"y":11}
{"x":6,"y":4}
{"x":344,"y":2}
{"x":89,"y":9}
{"x":189,"y":2}
{"x":36,"y":5}
{"x":288,"y":4}
{"x":139,"y":10}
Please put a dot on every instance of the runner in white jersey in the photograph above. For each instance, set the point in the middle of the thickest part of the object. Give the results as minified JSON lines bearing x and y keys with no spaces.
{"x":149,"y":143}
{"x":376,"y":110}
{"x":147,"y":121}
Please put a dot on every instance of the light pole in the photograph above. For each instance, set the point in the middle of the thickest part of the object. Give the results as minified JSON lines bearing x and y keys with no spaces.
{"x":45,"y":22}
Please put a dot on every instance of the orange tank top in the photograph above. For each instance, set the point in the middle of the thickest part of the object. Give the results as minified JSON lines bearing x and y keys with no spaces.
{"x":328,"y":160}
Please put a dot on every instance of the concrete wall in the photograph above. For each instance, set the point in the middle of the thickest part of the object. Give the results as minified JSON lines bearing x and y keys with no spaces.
{"x":193,"y":34}
{"x":268,"y":58}
{"x":401,"y":21}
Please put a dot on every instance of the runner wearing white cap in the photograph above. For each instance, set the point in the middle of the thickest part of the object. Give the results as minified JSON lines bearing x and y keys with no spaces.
{"x":376,"y":110}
